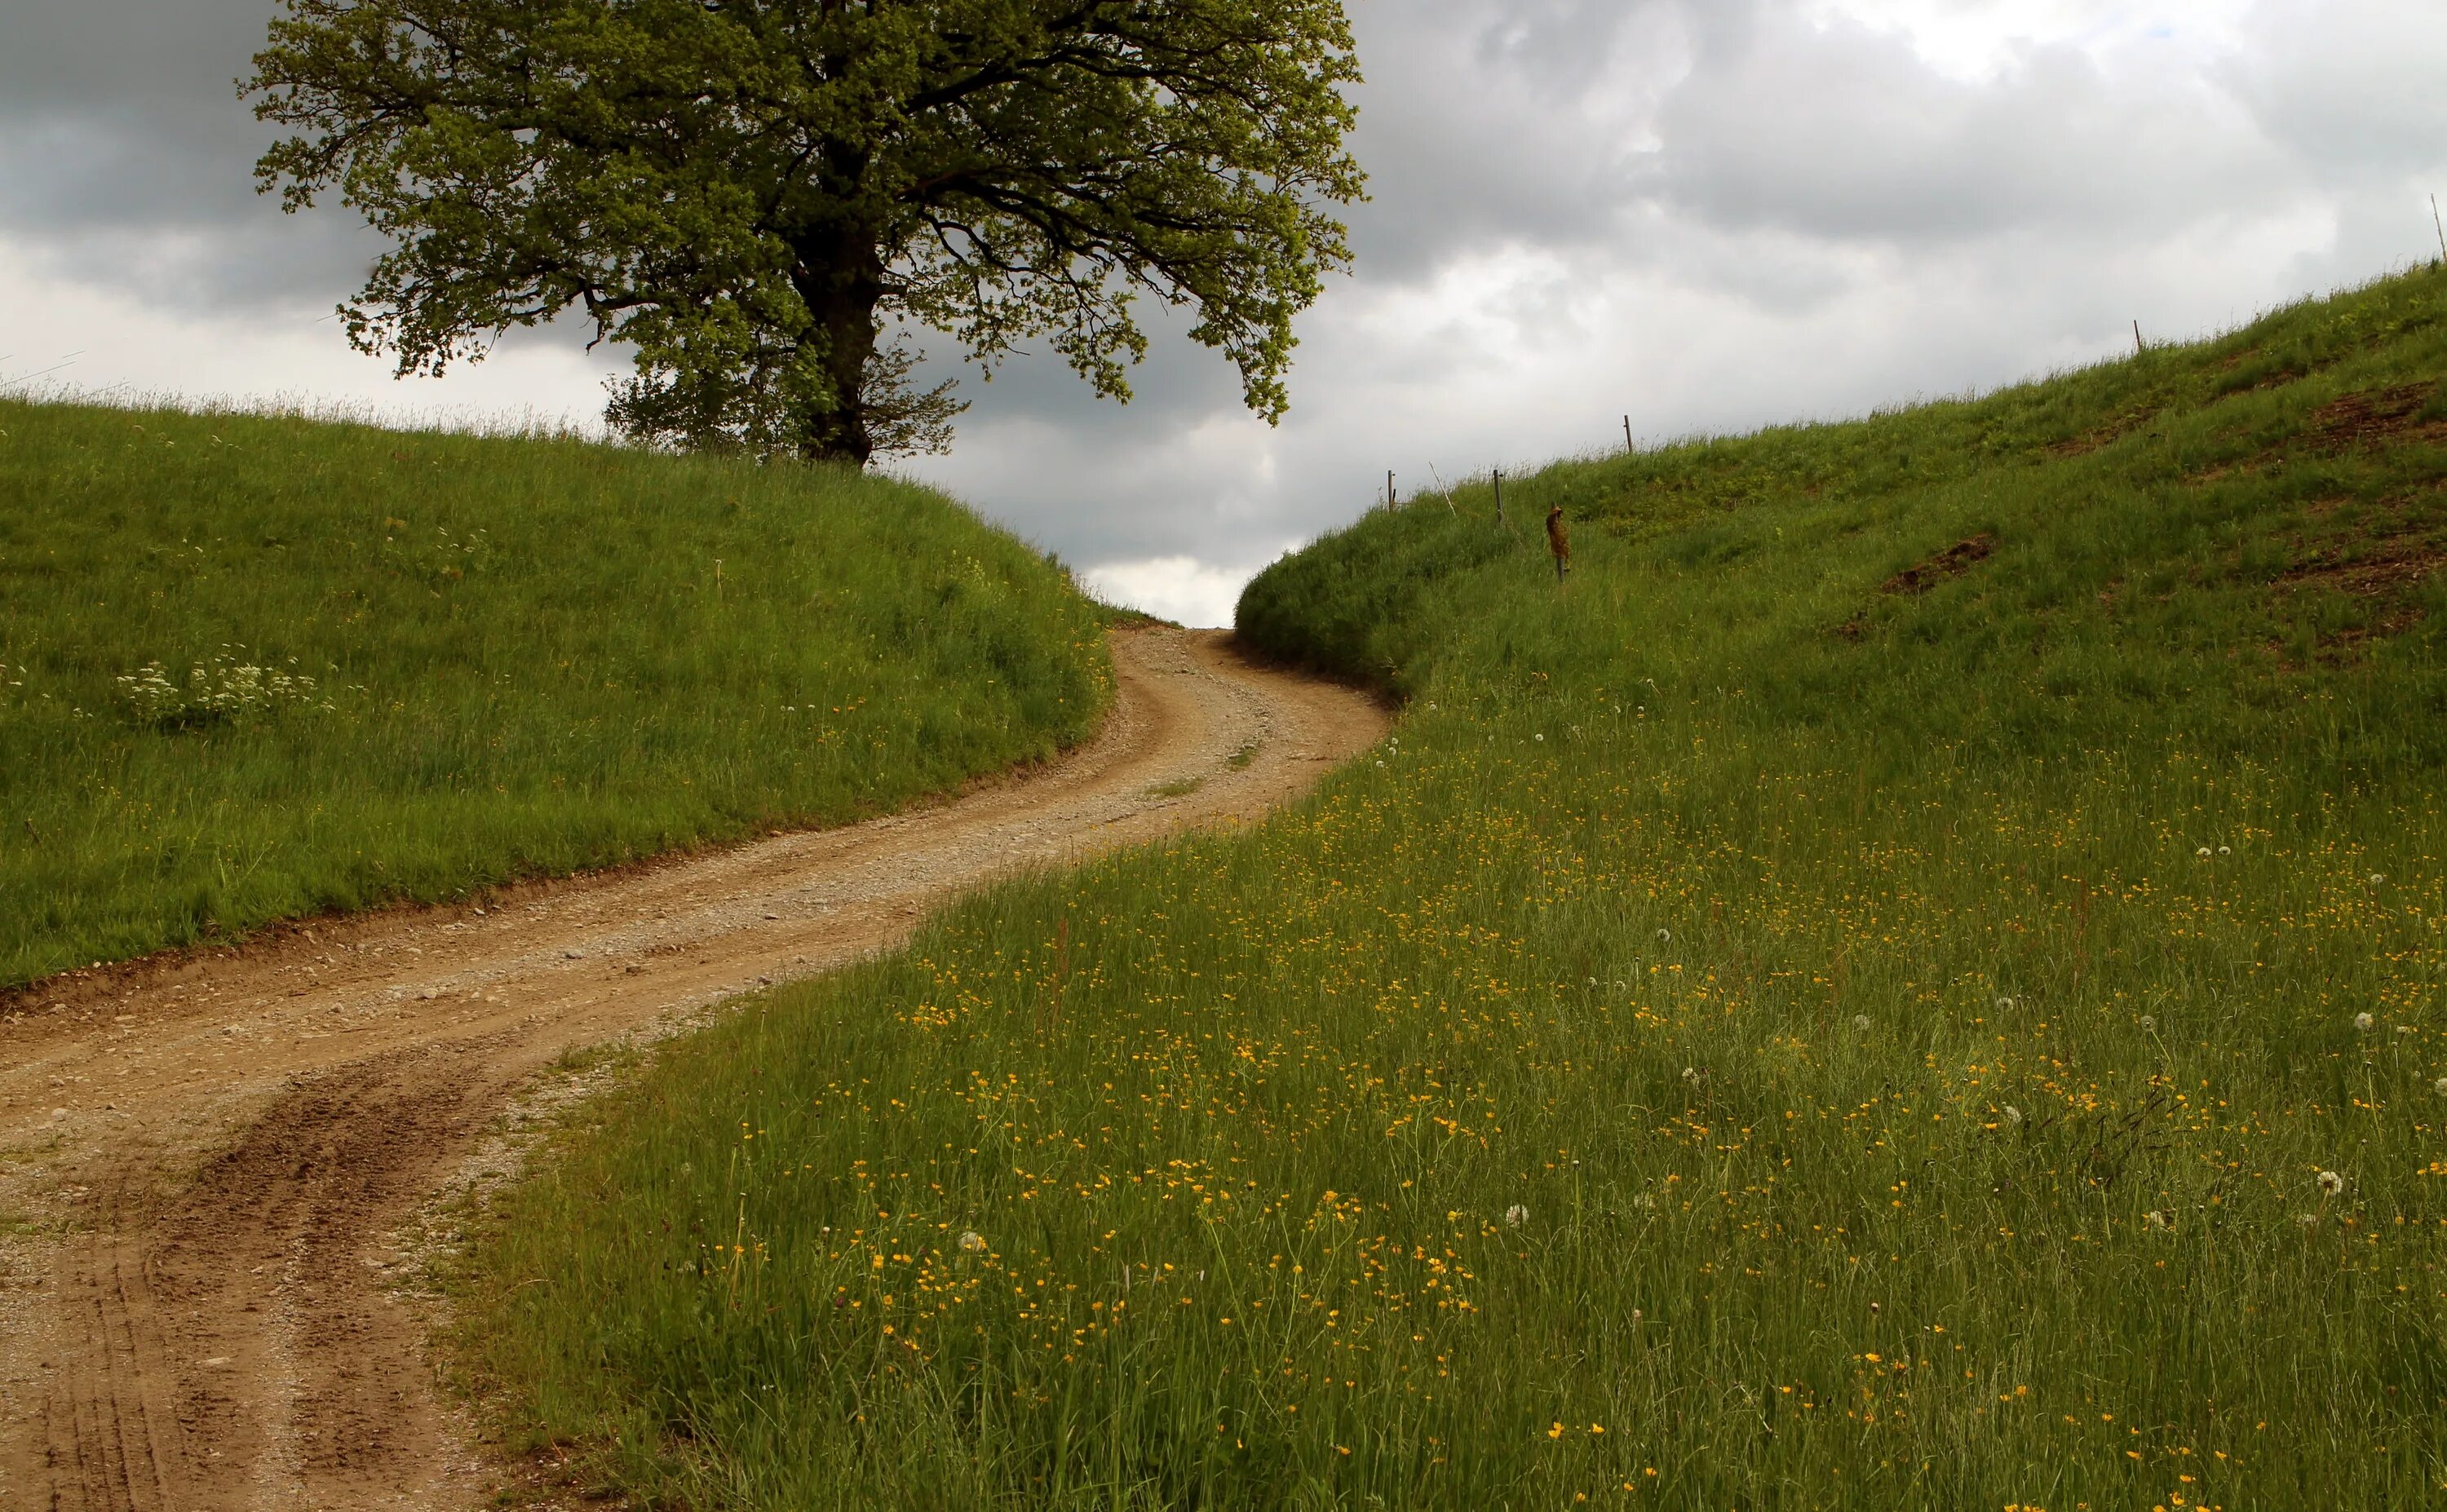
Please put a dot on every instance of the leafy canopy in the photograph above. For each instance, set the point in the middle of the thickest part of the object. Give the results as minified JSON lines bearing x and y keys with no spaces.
{"x":749,"y":192}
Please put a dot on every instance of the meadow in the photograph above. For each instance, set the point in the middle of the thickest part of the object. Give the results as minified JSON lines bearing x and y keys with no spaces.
{"x":1912,"y":982}
{"x":258,"y":667}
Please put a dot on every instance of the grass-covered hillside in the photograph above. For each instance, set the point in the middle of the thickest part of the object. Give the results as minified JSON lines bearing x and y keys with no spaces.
{"x":1913,"y":982}
{"x":253,"y":668}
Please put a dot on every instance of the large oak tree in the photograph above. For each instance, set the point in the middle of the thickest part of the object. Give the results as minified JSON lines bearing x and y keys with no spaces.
{"x":749,"y":192}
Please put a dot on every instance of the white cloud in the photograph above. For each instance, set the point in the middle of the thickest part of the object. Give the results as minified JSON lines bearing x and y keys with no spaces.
{"x":1182,"y":589}
{"x":62,"y":334}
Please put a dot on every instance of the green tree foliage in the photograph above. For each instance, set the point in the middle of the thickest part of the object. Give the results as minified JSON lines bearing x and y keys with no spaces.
{"x":749,"y":192}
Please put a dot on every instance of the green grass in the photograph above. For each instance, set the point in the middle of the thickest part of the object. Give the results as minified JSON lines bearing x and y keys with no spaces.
{"x":527,"y":655}
{"x":1856,"y":1047}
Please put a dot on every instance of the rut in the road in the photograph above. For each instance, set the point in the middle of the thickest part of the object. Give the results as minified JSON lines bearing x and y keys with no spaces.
{"x":229,"y":1144}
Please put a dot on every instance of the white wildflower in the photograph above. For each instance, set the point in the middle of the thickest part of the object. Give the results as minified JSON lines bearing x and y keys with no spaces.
{"x":973,"y":1241}
{"x":2158,"y":1219}
{"x":1515,"y":1216}
{"x":2013,"y":1115}
{"x":2363,"y":1022}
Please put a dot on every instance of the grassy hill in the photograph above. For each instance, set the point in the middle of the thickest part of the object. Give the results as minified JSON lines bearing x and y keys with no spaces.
{"x":1912,"y":982}
{"x":253,"y":668}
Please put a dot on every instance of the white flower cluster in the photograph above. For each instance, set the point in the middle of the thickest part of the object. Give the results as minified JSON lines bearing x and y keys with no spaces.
{"x":225,"y":688}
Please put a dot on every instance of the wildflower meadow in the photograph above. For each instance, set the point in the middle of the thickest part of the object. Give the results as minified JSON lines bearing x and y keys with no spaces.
{"x":1911,"y":981}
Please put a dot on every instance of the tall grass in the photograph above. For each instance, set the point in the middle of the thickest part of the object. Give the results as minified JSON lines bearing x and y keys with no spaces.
{"x":262,"y":667}
{"x":1758,"y":1035}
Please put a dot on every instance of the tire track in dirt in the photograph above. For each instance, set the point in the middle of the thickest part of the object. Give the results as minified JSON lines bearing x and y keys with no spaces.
{"x":203,"y":1160}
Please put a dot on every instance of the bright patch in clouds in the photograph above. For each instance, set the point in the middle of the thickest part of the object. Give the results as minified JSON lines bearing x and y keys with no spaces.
{"x":1969,"y":38}
{"x":1182,"y":589}
{"x":61,"y":335}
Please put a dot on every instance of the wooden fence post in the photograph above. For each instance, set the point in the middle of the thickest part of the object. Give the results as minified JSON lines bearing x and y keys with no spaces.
{"x":1499,"y":496}
{"x":1626,"y":435}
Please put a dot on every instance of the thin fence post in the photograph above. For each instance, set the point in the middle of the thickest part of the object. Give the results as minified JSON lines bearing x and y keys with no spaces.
{"x":2137,"y":348}
{"x":1389,"y":492}
{"x":2441,"y":227}
{"x":1499,"y":496}
{"x":1626,"y":435}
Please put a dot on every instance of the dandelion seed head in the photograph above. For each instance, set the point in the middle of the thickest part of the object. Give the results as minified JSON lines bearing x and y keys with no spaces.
{"x":1515,"y":1216}
{"x":2204,"y":851}
{"x":2379,"y":878}
{"x":1861,"y":1023}
{"x":2439,"y":1087}
{"x":2004,"y":1005}
{"x":2013,"y":1115}
{"x":973,"y":1241}
{"x":2148,"y":1023}
{"x":2363,"y":1022}
{"x":2331,"y":1183}
{"x":2158,"y":1219}
{"x":2226,"y":850}
{"x":1665,"y":937}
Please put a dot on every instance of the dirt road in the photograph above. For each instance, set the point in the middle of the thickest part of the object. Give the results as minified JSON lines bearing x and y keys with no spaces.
{"x":204,"y":1161}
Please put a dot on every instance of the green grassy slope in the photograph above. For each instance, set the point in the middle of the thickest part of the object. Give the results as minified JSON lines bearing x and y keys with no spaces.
{"x":1914,"y":982}
{"x":525,"y":656}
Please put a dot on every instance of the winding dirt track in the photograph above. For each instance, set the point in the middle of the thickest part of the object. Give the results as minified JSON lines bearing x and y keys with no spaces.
{"x":204,"y":1160}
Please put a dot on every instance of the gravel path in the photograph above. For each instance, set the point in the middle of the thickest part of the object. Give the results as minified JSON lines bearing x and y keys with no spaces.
{"x":204,"y":1159}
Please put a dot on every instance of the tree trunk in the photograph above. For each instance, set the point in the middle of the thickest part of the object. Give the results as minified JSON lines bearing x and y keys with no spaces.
{"x":842,"y":281}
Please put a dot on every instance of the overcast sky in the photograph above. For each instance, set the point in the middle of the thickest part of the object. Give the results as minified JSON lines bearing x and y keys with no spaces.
{"x":1710,"y":215}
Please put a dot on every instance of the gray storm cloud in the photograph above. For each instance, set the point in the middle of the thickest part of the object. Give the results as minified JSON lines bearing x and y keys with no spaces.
{"x":1707,"y":214}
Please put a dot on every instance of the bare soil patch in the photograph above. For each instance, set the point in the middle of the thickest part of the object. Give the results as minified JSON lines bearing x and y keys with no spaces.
{"x":1952,"y":562}
{"x":2391,"y":565}
{"x":1922,"y":576}
{"x":205,"y":1160}
{"x":2374,"y":418}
